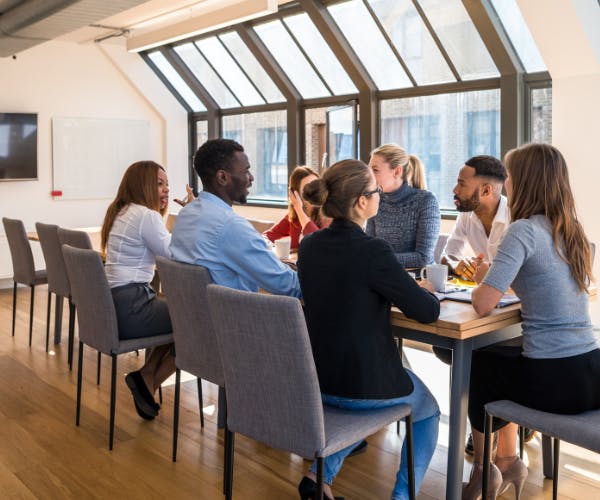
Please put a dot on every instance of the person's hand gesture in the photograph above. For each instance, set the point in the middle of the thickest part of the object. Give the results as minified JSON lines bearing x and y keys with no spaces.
{"x":428,"y":285}
{"x":466,"y":268}
{"x":298,"y":203}
{"x":189,"y":197}
{"x":482,"y":270}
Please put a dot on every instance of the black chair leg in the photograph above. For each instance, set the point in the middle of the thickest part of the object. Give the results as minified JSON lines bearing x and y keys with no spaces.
{"x":99,"y":366}
{"x":320,"y":478}
{"x":160,"y":394}
{"x":48,"y":318}
{"x":230,"y":436}
{"x":31,"y":312}
{"x":398,"y":427}
{"x":555,"y":468}
{"x":200,"y":402}
{"x":71,"y":338}
{"x":113,"y":387}
{"x":487,"y":452}
{"x":410,"y":457}
{"x":14,"y":306}
{"x":521,"y":440}
{"x":79,"y":377}
{"x":176,"y":412}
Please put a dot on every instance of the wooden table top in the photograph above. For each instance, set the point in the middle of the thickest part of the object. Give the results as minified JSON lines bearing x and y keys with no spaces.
{"x":459,"y":320}
{"x":93,"y":231}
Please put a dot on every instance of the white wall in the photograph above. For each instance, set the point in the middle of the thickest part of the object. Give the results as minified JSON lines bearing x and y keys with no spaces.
{"x":66,"y":79}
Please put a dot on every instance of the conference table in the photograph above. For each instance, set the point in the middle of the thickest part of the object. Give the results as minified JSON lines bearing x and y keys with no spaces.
{"x":459,"y":328}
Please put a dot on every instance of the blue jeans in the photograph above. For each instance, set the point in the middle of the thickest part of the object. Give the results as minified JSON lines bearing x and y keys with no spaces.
{"x":426,"y":418}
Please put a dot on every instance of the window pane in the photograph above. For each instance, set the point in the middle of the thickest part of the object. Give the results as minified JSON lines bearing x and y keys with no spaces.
{"x":364,"y":36}
{"x":201,"y":132}
{"x":229,"y":71}
{"x":320,"y":53}
{"x":264,"y":137}
{"x":541,"y":115}
{"x":290,"y":58}
{"x":413,"y":41}
{"x":460,"y":38}
{"x":520,"y":36}
{"x":175,"y":79}
{"x":340,"y":122}
{"x":315,"y":139}
{"x":252,"y":67}
{"x":444,"y":131}
{"x":206,"y":76}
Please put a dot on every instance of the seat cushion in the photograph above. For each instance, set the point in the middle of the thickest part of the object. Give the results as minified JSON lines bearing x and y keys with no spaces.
{"x":582,"y":429}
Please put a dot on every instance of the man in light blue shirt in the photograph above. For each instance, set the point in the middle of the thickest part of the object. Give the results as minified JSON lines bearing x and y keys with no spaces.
{"x":209,"y":233}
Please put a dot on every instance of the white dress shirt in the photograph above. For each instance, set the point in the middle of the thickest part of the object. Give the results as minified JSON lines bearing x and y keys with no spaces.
{"x":469,"y":229}
{"x":137,"y":237}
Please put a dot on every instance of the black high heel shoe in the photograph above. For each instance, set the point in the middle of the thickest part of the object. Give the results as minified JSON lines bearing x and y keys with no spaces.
{"x":308,"y":490}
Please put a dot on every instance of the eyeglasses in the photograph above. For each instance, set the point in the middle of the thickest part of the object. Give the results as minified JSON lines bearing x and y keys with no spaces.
{"x":377,"y":190}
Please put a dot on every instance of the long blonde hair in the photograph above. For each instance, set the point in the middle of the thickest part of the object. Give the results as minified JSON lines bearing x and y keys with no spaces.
{"x":540,"y":185}
{"x":140,"y":186}
{"x":413,"y":170}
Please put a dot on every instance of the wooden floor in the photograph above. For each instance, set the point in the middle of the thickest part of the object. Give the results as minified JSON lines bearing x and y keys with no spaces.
{"x":44,"y":455}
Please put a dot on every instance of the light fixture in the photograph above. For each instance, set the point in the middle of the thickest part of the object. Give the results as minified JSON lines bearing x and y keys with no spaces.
{"x":203,"y":19}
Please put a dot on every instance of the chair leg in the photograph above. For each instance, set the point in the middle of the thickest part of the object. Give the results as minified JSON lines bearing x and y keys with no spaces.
{"x":113,"y":386}
{"x":320,"y":478}
{"x":398,"y":427}
{"x":79,"y":377}
{"x":176,"y":412}
{"x":99,"y":366}
{"x":71,"y":338}
{"x":487,"y":452}
{"x":230,"y":438}
{"x":14,"y":306}
{"x":200,"y":402}
{"x":48,"y":318}
{"x":31,"y":312}
{"x":521,"y":440}
{"x":555,"y":468}
{"x":160,"y":394}
{"x":410,"y":457}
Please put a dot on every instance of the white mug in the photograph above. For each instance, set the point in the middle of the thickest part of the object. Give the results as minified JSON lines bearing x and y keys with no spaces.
{"x":282,"y":247}
{"x":437,"y":274}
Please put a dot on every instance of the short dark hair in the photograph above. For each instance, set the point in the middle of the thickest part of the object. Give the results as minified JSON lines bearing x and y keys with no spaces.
{"x":487,"y":166}
{"x":214,"y":155}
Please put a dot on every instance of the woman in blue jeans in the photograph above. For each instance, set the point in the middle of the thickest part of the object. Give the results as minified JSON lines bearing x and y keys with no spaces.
{"x":349,"y":281}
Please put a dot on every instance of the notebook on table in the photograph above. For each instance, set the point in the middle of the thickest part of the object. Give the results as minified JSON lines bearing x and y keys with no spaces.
{"x":464,"y":295}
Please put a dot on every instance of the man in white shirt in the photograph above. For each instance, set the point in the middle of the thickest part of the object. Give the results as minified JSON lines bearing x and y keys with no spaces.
{"x":484,"y":215}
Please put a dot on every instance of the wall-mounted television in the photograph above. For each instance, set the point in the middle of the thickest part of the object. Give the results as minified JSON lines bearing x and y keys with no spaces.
{"x":18,"y":146}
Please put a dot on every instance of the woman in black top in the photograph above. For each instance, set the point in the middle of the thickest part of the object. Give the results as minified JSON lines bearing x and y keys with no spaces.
{"x":349,"y":281}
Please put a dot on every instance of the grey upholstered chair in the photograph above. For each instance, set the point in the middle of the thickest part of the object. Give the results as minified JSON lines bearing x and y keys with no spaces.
{"x":24,"y":271}
{"x":77,"y":239}
{"x":58,"y":282}
{"x":439,"y":247}
{"x":97,"y":319}
{"x":271,"y":382}
{"x":582,"y":430}
{"x":196,"y":350}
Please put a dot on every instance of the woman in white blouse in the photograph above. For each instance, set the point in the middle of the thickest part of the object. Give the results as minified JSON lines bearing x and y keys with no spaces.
{"x":133,"y":235}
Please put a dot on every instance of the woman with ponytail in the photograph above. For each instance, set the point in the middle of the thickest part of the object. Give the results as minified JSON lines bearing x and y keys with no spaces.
{"x":349,"y":281}
{"x":545,"y":257}
{"x":409,"y":216}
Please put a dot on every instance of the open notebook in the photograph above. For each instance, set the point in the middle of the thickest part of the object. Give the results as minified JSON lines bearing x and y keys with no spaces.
{"x":464,"y":295}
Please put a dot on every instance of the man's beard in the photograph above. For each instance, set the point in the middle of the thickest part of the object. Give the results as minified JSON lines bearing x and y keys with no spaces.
{"x":469,"y":204}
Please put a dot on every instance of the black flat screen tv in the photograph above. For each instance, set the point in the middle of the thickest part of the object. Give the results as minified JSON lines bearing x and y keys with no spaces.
{"x":18,"y":146}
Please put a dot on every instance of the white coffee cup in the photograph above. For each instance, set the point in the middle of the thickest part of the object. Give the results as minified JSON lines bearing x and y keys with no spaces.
{"x":437,"y":274}
{"x":282,"y":247}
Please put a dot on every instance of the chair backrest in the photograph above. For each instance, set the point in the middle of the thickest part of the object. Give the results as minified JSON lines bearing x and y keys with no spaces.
{"x":91,"y":294}
{"x":271,"y":382}
{"x":20,"y":251}
{"x":74,"y":238}
{"x":195,"y":341}
{"x":260,"y":225}
{"x":439,"y":247}
{"x":58,"y":281}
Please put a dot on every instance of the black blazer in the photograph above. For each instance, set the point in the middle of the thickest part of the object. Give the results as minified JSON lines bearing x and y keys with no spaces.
{"x":349,"y":281}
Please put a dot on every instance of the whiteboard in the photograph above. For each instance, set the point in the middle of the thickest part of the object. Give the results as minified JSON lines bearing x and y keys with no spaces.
{"x":89,"y":155}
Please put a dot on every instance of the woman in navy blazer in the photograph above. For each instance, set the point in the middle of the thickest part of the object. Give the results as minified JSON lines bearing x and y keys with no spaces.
{"x":349,"y":281}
